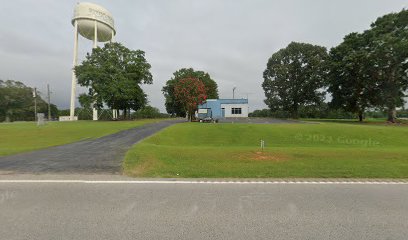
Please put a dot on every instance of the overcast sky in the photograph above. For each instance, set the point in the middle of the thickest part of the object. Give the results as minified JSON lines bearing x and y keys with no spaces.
{"x":230,"y":39}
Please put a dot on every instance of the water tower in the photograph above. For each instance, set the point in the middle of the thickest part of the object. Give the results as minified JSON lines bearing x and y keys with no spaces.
{"x":95,"y":23}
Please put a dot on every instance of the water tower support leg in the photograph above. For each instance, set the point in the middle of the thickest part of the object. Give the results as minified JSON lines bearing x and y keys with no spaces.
{"x":94,"y":110}
{"x":114,"y":116}
{"x":74,"y":81}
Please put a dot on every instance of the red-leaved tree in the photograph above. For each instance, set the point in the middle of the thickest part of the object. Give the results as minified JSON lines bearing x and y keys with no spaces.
{"x":190,"y":92}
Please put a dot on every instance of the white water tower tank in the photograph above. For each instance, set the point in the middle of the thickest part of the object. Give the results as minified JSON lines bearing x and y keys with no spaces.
{"x":90,"y":15}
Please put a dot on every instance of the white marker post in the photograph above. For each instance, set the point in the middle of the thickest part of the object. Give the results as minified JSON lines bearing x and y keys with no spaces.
{"x":262,"y":144}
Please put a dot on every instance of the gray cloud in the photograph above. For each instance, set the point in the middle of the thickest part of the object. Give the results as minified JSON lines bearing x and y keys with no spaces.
{"x":230,"y":39}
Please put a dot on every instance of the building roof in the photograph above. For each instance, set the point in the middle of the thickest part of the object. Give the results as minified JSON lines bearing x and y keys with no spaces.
{"x":229,"y":101}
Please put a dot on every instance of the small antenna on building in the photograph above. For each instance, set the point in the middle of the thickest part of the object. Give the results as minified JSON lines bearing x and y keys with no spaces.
{"x":247,"y":94}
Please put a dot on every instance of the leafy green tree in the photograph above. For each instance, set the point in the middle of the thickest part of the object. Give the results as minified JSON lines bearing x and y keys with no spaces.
{"x":388,"y":54}
{"x":294,"y":77}
{"x":114,"y":74}
{"x":190,"y":92}
{"x":173,"y":106}
{"x":350,"y":82}
{"x":85,"y":101}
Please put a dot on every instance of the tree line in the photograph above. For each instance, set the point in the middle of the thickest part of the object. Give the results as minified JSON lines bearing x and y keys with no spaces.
{"x":366,"y":71}
{"x":17,"y":102}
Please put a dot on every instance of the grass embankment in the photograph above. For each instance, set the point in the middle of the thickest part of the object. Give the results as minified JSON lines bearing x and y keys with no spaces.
{"x":334,"y":150}
{"x":27,"y":136}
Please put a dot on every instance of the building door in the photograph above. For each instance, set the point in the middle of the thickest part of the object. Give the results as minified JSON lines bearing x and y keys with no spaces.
{"x":223,"y":112}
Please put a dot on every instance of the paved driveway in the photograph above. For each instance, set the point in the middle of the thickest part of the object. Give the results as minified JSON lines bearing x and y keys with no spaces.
{"x":102,"y":155}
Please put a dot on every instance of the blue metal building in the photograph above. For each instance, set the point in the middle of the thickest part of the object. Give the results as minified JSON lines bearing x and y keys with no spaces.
{"x":223,"y":108}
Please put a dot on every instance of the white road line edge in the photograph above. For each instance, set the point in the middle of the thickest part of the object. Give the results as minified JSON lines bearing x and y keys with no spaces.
{"x":207,"y":182}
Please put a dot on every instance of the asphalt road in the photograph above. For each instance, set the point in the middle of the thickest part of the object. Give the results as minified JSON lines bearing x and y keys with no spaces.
{"x":202,"y":211}
{"x":102,"y":155}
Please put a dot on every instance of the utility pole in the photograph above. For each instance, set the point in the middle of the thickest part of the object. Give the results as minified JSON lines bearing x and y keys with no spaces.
{"x":35,"y":104}
{"x":49,"y":103}
{"x":233,"y":92}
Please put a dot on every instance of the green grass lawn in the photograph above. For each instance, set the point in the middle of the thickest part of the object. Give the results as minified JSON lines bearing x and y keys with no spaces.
{"x":376,"y":121}
{"x":335,"y":150}
{"x":27,"y":136}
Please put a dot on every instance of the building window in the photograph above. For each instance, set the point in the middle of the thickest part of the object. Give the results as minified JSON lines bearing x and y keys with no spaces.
{"x":236,"y":111}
